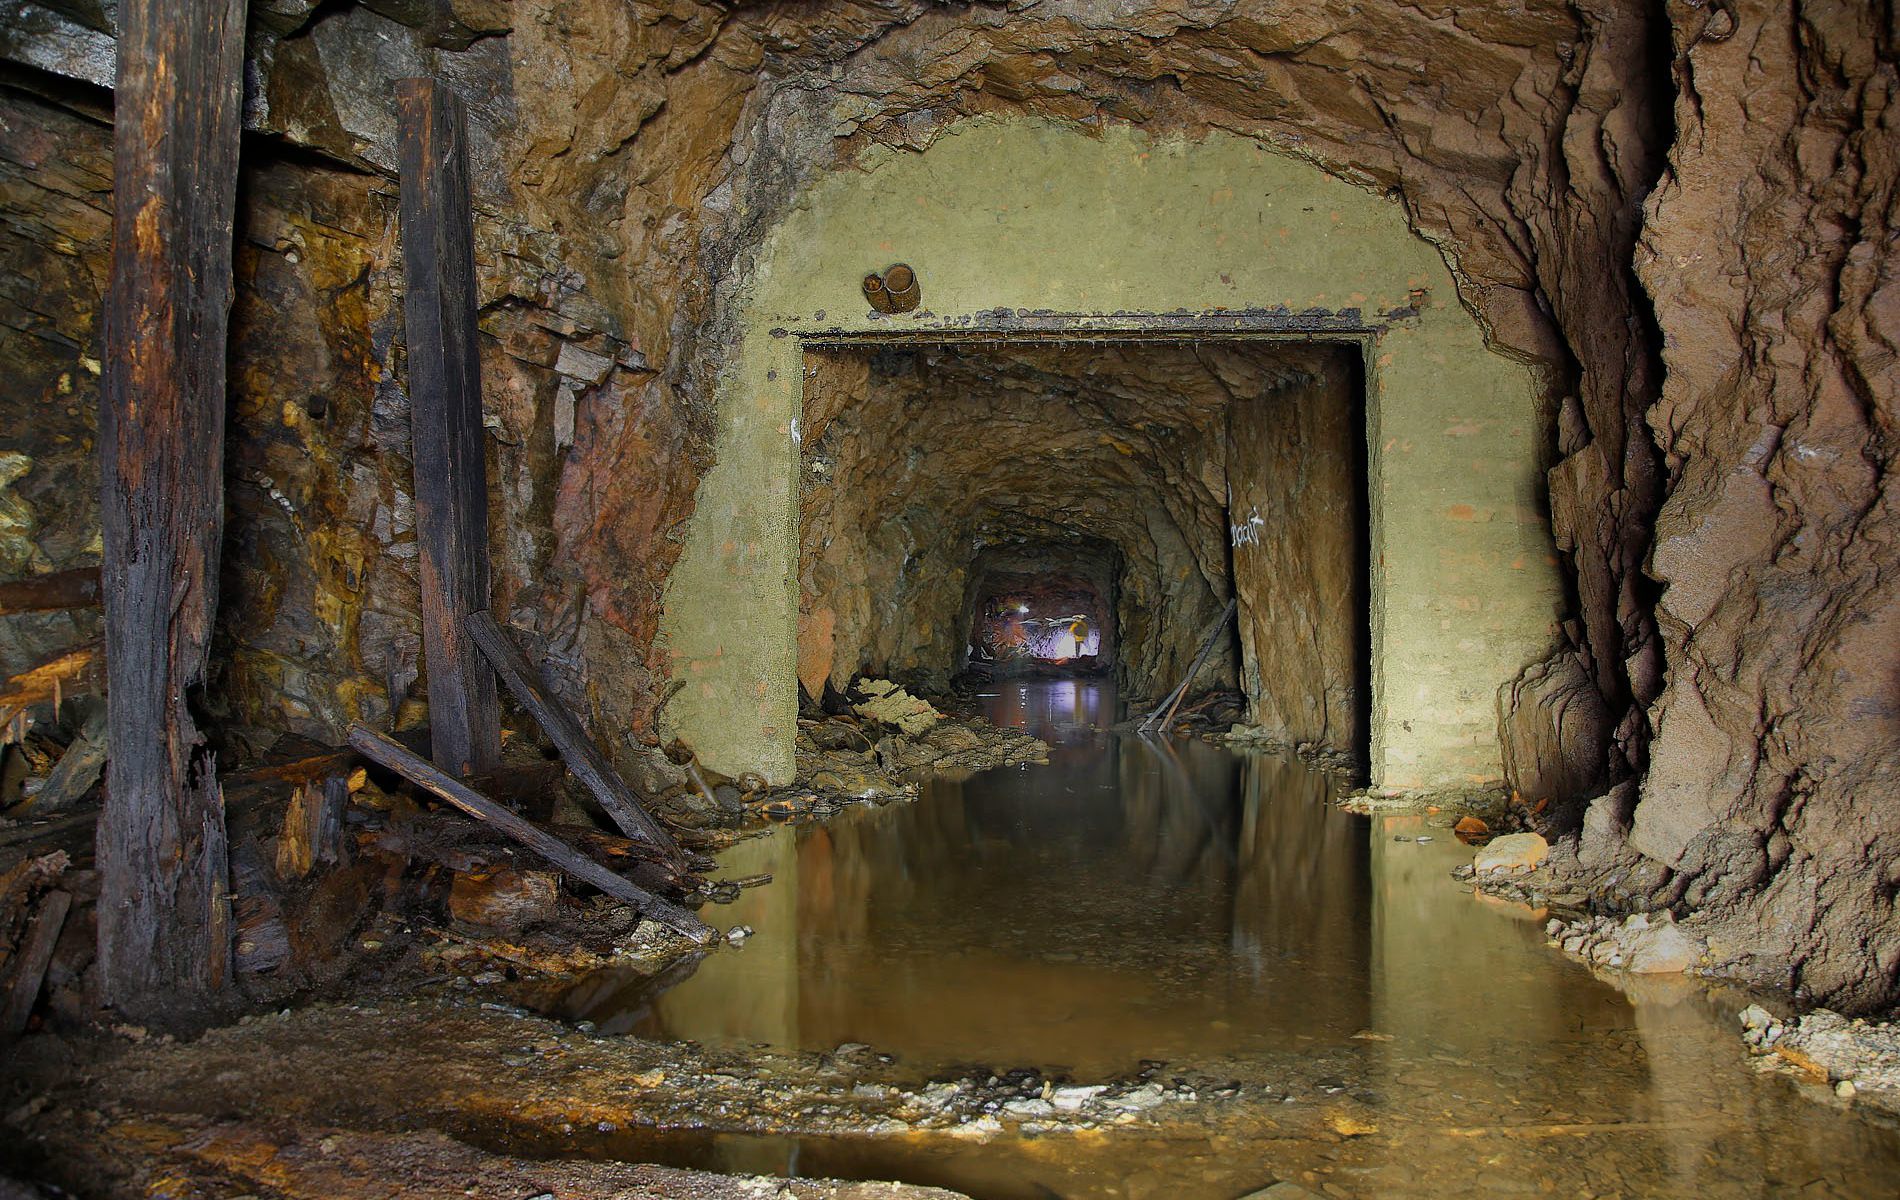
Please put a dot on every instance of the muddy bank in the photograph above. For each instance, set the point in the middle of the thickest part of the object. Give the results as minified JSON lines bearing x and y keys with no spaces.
{"x":195,"y":1158}
{"x":1619,"y":919}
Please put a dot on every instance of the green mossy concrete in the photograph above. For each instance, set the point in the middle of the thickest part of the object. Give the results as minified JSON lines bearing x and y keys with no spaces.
{"x":1027,"y":215}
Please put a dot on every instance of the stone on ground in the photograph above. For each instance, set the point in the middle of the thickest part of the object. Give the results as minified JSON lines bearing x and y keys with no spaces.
{"x":1512,"y":852}
{"x":892,"y":705}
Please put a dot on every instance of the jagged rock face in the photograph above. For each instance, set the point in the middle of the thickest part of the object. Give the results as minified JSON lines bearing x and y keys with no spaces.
{"x":1296,"y":503}
{"x":916,"y":462}
{"x":1769,"y":255}
{"x":629,"y":155}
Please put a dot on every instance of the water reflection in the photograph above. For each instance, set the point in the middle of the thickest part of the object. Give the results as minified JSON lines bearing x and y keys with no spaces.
{"x":1135,"y":900}
{"x":1131,"y":900}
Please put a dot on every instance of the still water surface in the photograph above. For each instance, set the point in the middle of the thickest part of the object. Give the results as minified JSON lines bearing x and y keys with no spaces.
{"x":1135,"y":901}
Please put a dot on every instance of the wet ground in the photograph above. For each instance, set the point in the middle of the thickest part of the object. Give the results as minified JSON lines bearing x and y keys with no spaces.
{"x":1144,"y":970}
{"x":1140,"y":902}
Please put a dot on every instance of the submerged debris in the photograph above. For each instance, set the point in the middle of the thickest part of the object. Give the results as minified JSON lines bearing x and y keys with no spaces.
{"x":887,"y":747}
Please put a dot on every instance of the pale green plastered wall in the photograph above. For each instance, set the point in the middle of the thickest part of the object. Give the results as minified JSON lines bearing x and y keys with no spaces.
{"x":1040,"y":217}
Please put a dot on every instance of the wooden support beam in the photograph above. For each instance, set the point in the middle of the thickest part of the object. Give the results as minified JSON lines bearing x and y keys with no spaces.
{"x":164,"y":911}
{"x":418,"y":771}
{"x":445,"y":407}
{"x":584,"y":758}
{"x":77,"y":588}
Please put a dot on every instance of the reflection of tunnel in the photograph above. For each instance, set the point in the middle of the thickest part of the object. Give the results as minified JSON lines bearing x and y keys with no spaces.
{"x":1119,"y":492}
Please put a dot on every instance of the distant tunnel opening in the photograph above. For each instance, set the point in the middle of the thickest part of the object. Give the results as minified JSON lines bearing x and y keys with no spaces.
{"x":1042,"y":609}
{"x":1037,"y":507}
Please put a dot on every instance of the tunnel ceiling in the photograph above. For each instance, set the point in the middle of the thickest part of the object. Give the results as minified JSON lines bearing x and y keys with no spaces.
{"x":917,"y":459}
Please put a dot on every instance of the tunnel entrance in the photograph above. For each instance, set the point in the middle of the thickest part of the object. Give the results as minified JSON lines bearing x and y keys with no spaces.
{"x":1035,"y":505}
{"x":1216,"y":241}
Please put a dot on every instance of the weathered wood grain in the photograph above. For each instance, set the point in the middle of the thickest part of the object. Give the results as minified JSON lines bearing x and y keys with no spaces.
{"x":164,"y":912}
{"x":28,"y":968}
{"x":77,"y":588}
{"x":445,"y":406}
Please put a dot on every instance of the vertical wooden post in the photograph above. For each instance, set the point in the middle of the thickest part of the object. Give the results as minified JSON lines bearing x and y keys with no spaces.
{"x":445,"y":402}
{"x":164,"y":910}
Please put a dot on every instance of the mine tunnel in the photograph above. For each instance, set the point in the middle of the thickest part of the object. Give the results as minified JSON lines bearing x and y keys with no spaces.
{"x":1049,"y":507}
{"x":896,"y":600}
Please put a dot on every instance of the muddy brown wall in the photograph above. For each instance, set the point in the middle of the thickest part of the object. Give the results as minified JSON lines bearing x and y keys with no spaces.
{"x":631,"y":153}
{"x":1769,"y":254}
{"x":1295,"y":492}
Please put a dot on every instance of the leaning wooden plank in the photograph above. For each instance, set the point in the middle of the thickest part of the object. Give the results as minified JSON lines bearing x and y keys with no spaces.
{"x":584,"y":758}
{"x":420,"y":772}
{"x":77,"y":588}
{"x":164,"y":912}
{"x":29,"y":965}
{"x":445,"y":415}
{"x":1200,"y":660}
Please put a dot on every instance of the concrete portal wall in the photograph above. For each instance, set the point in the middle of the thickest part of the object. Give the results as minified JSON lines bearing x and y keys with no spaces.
{"x":1014,"y":224}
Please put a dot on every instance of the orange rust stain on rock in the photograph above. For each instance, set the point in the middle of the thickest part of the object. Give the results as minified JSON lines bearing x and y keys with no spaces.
{"x":1462,"y":512}
{"x":817,"y":636}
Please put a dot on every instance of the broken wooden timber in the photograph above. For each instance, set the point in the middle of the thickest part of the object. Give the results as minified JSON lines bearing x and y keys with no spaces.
{"x":41,"y":684}
{"x":1175,"y":697}
{"x":29,"y":965}
{"x":53,"y":592}
{"x":76,"y":771}
{"x":584,"y":758}
{"x":312,"y":832}
{"x":423,"y":774}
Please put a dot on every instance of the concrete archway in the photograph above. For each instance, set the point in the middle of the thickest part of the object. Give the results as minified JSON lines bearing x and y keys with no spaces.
{"x":1026,"y":227}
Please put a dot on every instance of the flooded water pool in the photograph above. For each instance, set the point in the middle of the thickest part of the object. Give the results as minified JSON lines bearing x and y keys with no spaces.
{"x":1136,"y":903}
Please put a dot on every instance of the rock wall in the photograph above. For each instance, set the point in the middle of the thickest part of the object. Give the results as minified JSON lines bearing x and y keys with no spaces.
{"x":1769,"y":255}
{"x":1296,"y":499}
{"x":628,"y":156}
{"x":918,"y":463}
{"x":55,"y":230}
